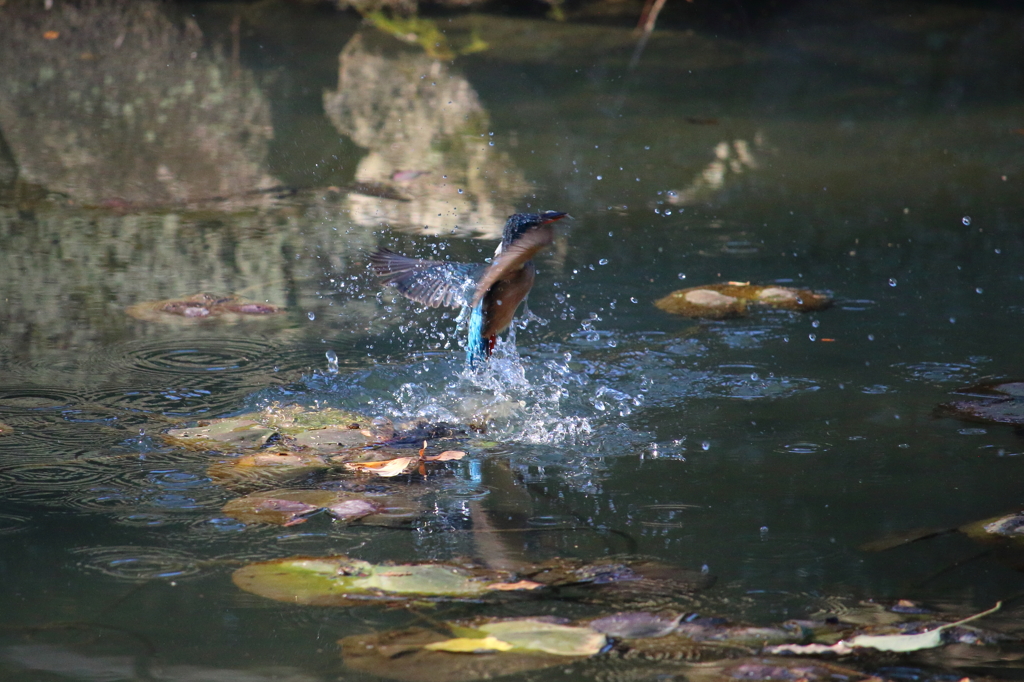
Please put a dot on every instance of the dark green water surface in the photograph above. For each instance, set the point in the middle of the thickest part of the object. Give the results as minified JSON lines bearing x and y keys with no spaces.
{"x":153,"y":152}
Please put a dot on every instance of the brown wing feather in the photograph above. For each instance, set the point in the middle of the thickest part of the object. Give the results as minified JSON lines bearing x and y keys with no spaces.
{"x":512,"y":258}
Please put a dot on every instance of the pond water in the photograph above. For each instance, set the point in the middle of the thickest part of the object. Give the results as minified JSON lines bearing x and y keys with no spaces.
{"x":152,"y":152}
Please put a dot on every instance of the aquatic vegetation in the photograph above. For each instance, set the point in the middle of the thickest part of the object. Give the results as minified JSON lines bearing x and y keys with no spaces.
{"x":989,"y":403}
{"x":291,"y":427}
{"x":341,"y":581}
{"x":723,"y":301}
{"x":289,"y":507}
{"x":404,"y":465}
{"x":200,"y":306}
{"x":424,"y":32}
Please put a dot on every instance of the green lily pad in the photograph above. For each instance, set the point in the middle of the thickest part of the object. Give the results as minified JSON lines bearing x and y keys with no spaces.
{"x":403,"y":655}
{"x":723,"y":301}
{"x":292,"y":427}
{"x":341,"y":581}
{"x":290,"y":507}
{"x":235,"y":433}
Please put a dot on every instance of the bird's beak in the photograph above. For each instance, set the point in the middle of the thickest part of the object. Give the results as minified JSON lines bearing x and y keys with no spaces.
{"x":552,"y":217}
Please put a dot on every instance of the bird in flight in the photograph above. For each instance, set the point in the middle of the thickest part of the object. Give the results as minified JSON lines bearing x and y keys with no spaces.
{"x":492,"y":291}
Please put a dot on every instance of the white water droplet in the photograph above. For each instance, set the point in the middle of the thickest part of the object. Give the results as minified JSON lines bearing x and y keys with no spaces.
{"x":332,"y":362}
{"x":705,"y":445}
{"x":603,"y":261}
{"x":311,"y":315}
{"x":812,"y":337}
{"x":966,"y":220}
{"x":892,"y":282}
{"x":979,"y":290}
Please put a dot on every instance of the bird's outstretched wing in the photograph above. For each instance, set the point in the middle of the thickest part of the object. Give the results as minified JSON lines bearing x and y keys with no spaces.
{"x":430,"y":282}
{"x":512,"y":258}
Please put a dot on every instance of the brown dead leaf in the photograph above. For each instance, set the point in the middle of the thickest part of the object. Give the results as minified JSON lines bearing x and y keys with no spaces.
{"x":387,"y":468}
{"x":510,"y":587}
{"x":446,"y":456}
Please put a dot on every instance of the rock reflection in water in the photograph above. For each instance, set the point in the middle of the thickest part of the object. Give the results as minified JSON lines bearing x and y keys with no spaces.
{"x":430,"y":162}
{"x":113,"y":103}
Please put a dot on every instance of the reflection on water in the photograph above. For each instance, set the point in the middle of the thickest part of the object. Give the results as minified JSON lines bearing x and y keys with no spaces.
{"x":113,"y":103}
{"x":431,"y":151}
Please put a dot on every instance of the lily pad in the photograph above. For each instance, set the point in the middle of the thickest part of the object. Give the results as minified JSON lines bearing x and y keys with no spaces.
{"x":291,"y":507}
{"x":527,"y":634}
{"x":200,"y":306}
{"x":637,"y":624}
{"x":404,"y":655}
{"x":991,"y":403}
{"x":732,"y":299}
{"x":293,"y":427}
{"x":341,"y":581}
{"x":265,"y":468}
{"x":898,"y":643}
{"x":774,"y":669}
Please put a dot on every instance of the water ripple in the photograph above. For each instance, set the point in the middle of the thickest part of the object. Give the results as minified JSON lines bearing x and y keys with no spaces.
{"x":186,"y":357}
{"x":138,"y":563}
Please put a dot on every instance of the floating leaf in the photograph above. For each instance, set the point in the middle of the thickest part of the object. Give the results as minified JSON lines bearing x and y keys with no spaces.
{"x":512,"y":587}
{"x":991,"y":403}
{"x":339,"y":580}
{"x":446,"y":456}
{"x":403,"y":655}
{"x":223,"y":434}
{"x":639,"y":624}
{"x":401,"y":465}
{"x":527,"y":634}
{"x":200,"y":306}
{"x":722,"y":301}
{"x":270,"y":467}
{"x":898,"y":643}
{"x":287,"y":507}
{"x":470,"y":645}
{"x":386,"y":468}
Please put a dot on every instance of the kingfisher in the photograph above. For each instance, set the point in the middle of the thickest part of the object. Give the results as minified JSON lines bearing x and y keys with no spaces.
{"x":492,"y":291}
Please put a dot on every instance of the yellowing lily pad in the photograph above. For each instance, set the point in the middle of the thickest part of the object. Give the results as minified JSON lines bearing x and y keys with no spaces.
{"x":407,"y":655}
{"x":470,"y":645}
{"x":341,"y":581}
{"x":723,"y":301}
{"x":526,"y":634}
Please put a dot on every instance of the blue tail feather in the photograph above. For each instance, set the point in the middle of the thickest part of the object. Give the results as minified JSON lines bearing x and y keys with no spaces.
{"x":476,"y":346}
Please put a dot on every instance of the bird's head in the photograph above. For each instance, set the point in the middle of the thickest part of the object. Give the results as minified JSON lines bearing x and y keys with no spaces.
{"x":521,"y":223}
